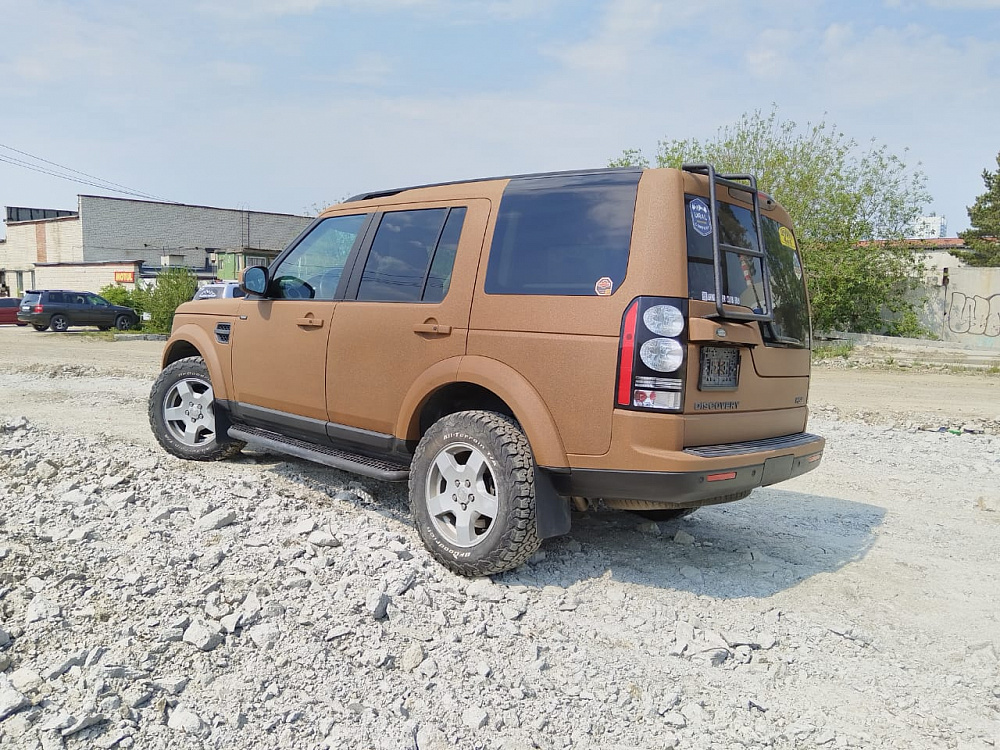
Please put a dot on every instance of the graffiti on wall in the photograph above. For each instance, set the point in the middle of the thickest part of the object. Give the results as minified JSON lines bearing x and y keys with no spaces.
{"x":976,"y":316}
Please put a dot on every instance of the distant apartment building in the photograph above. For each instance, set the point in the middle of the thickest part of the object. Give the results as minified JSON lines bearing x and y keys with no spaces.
{"x":929,"y":228}
{"x":108,"y":240}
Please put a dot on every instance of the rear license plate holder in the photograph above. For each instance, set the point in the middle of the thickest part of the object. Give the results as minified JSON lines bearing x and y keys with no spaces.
{"x":720,"y":368}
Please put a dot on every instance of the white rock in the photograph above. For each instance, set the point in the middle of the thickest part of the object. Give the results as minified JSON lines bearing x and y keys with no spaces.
{"x":172,"y":685}
{"x":475,"y":717}
{"x":11,"y":699}
{"x":25,"y":679}
{"x":682,"y":537}
{"x":87,"y":720}
{"x":183,"y":720}
{"x":323,"y":539}
{"x":264,"y":635}
{"x":376,"y":604}
{"x":484,"y":588}
{"x":649,"y":527}
{"x":202,"y":636}
{"x":217,"y":519}
{"x":412,"y":657}
{"x":41,"y":608}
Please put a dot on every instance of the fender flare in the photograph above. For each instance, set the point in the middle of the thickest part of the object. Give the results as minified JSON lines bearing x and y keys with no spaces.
{"x":507,"y":383}
{"x":198,"y":338}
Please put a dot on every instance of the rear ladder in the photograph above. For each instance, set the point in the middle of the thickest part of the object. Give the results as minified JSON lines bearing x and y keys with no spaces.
{"x":745,"y":183}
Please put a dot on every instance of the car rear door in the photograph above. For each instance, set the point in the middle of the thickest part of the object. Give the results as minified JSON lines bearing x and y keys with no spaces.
{"x":406,"y":307}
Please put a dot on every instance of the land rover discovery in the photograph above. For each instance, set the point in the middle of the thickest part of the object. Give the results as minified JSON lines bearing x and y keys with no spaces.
{"x":512,"y":347}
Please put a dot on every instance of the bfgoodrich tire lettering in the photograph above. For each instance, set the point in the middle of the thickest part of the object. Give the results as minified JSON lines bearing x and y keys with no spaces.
{"x":182,"y":413}
{"x":472,"y":493}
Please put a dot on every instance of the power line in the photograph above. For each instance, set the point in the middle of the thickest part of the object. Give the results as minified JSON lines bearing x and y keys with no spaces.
{"x":94,"y":181}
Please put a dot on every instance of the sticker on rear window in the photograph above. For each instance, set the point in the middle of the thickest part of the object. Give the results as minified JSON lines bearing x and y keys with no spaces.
{"x":701,"y":217}
{"x":604,"y":286}
{"x":786,"y":237}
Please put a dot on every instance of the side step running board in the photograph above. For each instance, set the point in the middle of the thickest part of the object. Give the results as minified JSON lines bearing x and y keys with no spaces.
{"x":328,"y":456}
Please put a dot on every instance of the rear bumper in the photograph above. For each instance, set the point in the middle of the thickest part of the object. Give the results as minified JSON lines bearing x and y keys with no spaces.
{"x":778,"y":459}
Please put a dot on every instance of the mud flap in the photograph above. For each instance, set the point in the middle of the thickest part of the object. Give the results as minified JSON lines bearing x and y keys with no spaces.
{"x":552,"y":512}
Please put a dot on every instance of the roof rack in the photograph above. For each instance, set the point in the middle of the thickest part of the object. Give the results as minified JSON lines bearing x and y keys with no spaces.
{"x":570,"y":173}
{"x":748,"y":184}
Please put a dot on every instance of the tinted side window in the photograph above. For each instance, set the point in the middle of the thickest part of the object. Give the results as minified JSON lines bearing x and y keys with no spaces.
{"x":401,"y":254}
{"x":56,"y":298}
{"x":313,"y":269}
{"x":563,"y":234}
{"x":439,"y":278}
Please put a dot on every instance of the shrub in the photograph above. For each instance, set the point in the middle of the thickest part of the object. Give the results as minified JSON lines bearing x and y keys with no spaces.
{"x":174,"y":286}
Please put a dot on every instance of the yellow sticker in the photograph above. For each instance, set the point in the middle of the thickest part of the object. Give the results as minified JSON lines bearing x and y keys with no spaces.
{"x":786,"y":236}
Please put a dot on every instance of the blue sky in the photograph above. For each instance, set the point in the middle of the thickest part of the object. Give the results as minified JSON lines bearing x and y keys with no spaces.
{"x":285,"y":105}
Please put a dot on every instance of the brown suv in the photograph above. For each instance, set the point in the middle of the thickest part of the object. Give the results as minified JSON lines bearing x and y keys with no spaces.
{"x":514,"y":346}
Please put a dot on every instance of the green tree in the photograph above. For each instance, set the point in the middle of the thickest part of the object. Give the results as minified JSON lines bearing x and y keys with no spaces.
{"x":173,"y":287}
{"x":983,"y":238}
{"x":118,"y":294}
{"x":851,"y":207}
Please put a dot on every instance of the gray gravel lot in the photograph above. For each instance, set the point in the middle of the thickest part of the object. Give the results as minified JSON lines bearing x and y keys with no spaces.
{"x":256,"y":603}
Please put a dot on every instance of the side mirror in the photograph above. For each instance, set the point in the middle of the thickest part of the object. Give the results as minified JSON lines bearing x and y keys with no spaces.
{"x":254,"y":280}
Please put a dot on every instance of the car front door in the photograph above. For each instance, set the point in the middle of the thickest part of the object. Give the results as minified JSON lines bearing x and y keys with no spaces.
{"x":405,"y":309}
{"x":279,"y":342}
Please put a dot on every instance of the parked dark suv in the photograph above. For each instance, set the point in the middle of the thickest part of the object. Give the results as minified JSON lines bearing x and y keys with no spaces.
{"x":61,"y":308}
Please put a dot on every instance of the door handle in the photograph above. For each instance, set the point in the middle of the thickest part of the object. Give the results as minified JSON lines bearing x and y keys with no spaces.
{"x":437,"y":328}
{"x":309,"y":322}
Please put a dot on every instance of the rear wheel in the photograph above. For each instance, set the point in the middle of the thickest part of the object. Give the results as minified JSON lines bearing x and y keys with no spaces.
{"x":59,"y":323}
{"x":472,"y":493}
{"x":40,"y":328}
{"x":182,"y":413}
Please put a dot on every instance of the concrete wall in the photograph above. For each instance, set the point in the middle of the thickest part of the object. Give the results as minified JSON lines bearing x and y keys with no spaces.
{"x":115,"y":228}
{"x":967,"y":310}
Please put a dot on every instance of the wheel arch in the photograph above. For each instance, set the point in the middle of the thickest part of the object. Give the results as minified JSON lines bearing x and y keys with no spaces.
{"x":468,"y":383}
{"x":192,"y":341}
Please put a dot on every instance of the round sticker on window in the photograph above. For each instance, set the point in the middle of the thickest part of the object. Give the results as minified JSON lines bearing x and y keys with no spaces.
{"x":604,"y":286}
{"x":701,"y":217}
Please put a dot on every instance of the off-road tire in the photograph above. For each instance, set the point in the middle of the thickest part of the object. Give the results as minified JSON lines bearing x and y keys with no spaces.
{"x":511,"y":537}
{"x":166,"y":395}
{"x":59,"y":323}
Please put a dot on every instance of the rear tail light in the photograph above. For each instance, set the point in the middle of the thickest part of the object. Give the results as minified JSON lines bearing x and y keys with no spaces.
{"x":36,"y":309}
{"x":652,"y":354}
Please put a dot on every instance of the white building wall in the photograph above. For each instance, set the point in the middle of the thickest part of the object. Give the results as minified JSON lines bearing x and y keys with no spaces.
{"x":82,"y":278}
{"x":48,"y":241}
{"x":116,"y":229}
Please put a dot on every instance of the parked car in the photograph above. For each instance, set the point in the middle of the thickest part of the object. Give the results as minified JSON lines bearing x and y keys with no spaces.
{"x":514,"y":347}
{"x":8,"y":311}
{"x":62,"y":308}
{"x":219,"y":290}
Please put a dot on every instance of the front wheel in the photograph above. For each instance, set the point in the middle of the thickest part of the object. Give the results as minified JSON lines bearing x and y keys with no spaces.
{"x":472,"y":493}
{"x":182,"y":413}
{"x":59,"y":323}
{"x":123,"y":322}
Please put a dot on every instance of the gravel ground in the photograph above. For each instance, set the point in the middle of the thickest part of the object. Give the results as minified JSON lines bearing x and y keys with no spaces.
{"x":257,"y":603}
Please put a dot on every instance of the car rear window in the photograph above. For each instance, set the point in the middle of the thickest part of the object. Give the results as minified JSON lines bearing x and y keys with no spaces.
{"x":563,"y":234}
{"x":30,"y":298}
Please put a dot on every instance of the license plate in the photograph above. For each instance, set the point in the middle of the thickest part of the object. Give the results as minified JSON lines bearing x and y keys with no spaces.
{"x":720,"y":368}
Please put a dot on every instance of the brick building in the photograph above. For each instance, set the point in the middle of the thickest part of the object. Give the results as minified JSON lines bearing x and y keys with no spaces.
{"x":118,"y":239}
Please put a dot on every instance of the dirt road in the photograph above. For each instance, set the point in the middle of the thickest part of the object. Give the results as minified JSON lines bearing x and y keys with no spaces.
{"x":258,"y":602}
